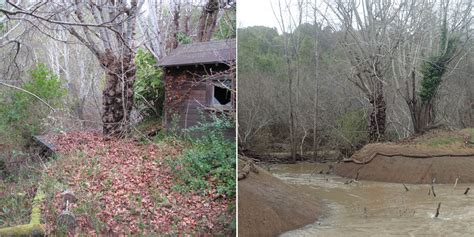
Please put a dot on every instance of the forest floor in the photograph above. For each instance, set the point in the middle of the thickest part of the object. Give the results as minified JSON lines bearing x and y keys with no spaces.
{"x":126,"y":187}
{"x":445,"y":156}
{"x":268,"y":206}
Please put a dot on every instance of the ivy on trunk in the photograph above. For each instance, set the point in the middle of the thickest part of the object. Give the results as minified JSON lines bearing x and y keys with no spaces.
{"x":422,"y":106}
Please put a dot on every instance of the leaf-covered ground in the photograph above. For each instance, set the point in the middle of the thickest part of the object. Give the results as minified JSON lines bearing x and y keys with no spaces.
{"x":124,"y":187}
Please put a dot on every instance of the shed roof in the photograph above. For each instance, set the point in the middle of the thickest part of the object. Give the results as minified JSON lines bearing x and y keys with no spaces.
{"x":216,"y":51}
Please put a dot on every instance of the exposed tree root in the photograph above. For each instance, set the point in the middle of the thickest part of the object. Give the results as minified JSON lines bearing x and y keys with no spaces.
{"x":249,"y":166}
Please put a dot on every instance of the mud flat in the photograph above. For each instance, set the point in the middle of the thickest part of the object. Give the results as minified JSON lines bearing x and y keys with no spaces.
{"x":368,"y":208}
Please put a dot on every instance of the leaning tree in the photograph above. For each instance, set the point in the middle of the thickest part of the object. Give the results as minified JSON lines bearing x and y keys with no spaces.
{"x":107,"y":28}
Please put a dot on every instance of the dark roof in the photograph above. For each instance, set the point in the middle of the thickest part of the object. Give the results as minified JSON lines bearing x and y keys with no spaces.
{"x":217,"y":51}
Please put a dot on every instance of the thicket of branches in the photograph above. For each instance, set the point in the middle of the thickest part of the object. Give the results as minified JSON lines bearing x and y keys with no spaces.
{"x":340,"y":74}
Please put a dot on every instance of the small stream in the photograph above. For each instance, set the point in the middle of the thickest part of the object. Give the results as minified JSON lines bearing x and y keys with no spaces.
{"x":367,"y":208}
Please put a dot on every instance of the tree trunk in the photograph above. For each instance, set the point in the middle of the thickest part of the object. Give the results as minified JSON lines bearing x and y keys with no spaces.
{"x":293,"y":145}
{"x":377,"y":117}
{"x":208,"y":20}
{"x":118,"y":98}
{"x":315,"y":128}
{"x":422,"y":116}
{"x":173,"y":41}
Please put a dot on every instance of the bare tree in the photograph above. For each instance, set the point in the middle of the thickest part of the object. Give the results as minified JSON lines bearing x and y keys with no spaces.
{"x":107,"y":29}
{"x":368,"y":42}
{"x":153,"y":29}
{"x":286,"y":26}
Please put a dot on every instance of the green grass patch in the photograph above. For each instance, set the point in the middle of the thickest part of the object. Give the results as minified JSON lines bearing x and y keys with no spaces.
{"x":447,"y":139}
{"x":444,"y":141}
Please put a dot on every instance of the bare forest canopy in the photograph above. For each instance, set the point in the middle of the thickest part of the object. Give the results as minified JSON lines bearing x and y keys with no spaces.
{"x":350,"y":72}
{"x":103,"y":53}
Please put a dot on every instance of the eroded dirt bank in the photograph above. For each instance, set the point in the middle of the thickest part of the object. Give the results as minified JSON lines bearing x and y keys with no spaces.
{"x":441,"y":155}
{"x":399,"y":169}
{"x":268,"y":206}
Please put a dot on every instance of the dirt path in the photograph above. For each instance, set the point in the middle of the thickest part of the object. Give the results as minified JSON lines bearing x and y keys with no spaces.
{"x":268,"y":207}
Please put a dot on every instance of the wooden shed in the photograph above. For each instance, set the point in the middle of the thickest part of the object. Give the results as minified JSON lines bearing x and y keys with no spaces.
{"x":199,"y":80}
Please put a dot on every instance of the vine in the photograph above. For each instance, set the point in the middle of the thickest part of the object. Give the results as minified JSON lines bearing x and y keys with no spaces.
{"x":434,"y":68}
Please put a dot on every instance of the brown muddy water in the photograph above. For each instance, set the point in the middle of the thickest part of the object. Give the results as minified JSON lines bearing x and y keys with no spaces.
{"x":367,"y":208}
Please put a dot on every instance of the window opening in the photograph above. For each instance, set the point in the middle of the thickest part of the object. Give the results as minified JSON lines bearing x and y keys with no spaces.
{"x":222,"y":96}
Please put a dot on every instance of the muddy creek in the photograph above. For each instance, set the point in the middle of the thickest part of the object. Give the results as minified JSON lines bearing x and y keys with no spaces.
{"x":366,"y":208}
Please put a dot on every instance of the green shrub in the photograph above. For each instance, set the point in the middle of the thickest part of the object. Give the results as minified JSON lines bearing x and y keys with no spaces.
{"x":209,"y":160}
{"x":149,"y":86}
{"x":183,"y":38}
{"x":22,"y":114}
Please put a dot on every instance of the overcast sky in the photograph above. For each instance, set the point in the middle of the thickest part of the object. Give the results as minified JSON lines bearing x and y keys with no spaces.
{"x":256,"y":12}
{"x":260,"y":13}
